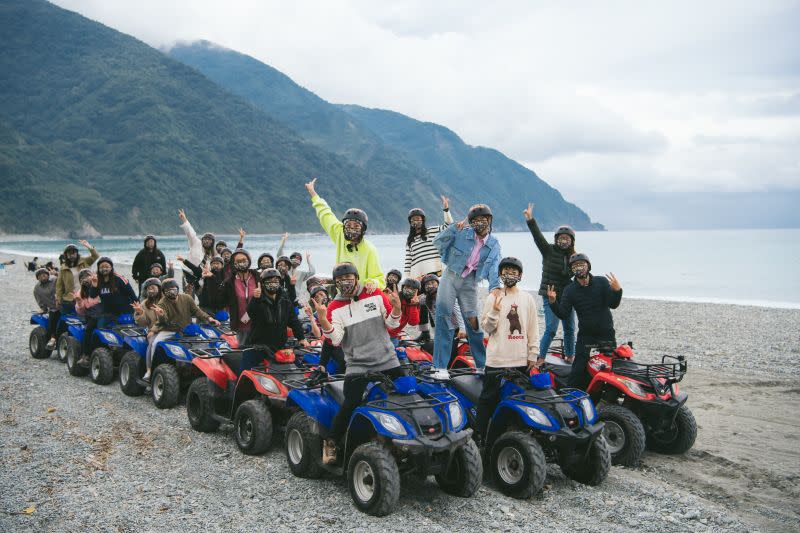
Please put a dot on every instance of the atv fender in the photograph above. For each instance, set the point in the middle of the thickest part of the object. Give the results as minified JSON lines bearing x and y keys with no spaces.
{"x":40,"y":320}
{"x":365,"y":416}
{"x":258,"y":377}
{"x":321,"y":408}
{"x":418,"y":354}
{"x":137,"y":344}
{"x":603,"y":379}
{"x":505,"y":409}
{"x":215,"y":370}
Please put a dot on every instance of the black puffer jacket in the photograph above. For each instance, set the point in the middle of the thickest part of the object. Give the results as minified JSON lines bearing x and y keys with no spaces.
{"x":144,"y":260}
{"x":555,"y":261}
{"x":270,"y":320}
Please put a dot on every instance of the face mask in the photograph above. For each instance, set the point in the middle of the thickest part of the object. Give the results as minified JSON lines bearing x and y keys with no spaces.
{"x":431,"y":288}
{"x":480,"y":227}
{"x":216,"y":267}
{"x":346,"y":286}
{"x":509,"y":280}
{"x":296,"y":262}
{"x":408,"y":293}
{"x":241,"y":266}
{"x":104,"y":271}
{"x":171,"y":293}
{"x":580,"y":271}
{"x":352,"y":233}
{"x":564,"y":242}
{"x":272,"y":287}
{"x":416,"y":224}
{"x":283,"y":269}
{"x":226,"y":257}
{"x":43,"y":279}
{"x":152,"y":292}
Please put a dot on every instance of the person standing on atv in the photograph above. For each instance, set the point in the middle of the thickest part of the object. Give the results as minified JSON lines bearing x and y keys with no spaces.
{"x":348,"y":237}
{"x":510,"y":319}
{"x":409,"y":307}
{"x":144,"y":260}
{"x":592,"y":298}
{"x":67,"y":283}
{"x":422,"y":257}
{"x":358,"y":321}
{"x":115,"y":292}
{"x":157,"y":271}
{"x":272,"y":311}
{"x":320,"y":296}
{"x":175,"y":311}
{"x":555,"y":272}
{"x":471,"y":254}
{"x":238,"y":290}
{"x":427,"y":313}
{"x":44,"y":292}
{"x":211,"y":296}
{"x":284,"y":265}
{"x":200,"y":249}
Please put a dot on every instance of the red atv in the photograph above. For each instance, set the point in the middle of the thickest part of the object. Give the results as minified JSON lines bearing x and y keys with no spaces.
{"x":640,"y":404}
{"x":253,"y":399}
{"x":417,"y":354}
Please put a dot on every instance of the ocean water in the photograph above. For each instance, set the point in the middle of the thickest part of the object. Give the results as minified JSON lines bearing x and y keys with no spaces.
{"x":749,"y":267}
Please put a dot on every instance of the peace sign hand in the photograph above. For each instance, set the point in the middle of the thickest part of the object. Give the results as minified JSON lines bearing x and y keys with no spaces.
{"x":137,"y":307}
{"x":182,"y":215}
{"x":528,"y":212}
{"x":614,"y":282}
{"x":551,"y":294}
{"x":394,"y":299}
{"x":445,"y":202}
{"x":497,"y":302}
{"x":159,"y":311}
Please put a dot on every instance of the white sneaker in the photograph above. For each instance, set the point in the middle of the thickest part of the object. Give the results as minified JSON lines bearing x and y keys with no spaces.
{"x":146,"y":376}
{"x":51,"y":344}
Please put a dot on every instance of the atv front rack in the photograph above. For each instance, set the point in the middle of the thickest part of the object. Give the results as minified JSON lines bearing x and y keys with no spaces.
{"x":132,"y":332}
{"x":566,"y":395}
{"x":653,"y":373}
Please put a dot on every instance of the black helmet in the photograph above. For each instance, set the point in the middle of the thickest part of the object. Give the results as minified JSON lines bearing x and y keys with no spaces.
{"x":216,"y":259}
{"x":574,"y":258}
{"x":226,"y":249}
{"x":170,"y":283}
{"x":262,"y":256}
{"x":296,"y":254}
{"x":317,"y":280}
{"x":285,"y":259}
{"x":148,"y":237}
{"x":240,"y":251}
{"x":342,"y":269}
{"x":478,"y":210}
{"x":510,"y":261}
{"x":84,"y":273}
{"x":268,"y":273}
{"x":221,"y":243}
{"x":396,"y":273}
{"x":105,"y":259}
{"x":318,"y":288}
{"x":413,"y":283}
{"x":69,"y":247}
{"x":149,"y":282}
{"x":41,"y":271}
{"x":565,"y":230}
{"x":429,"y":277}
{"x":356,"y":214}
{"x":156,"y":265}
{"x":208,"y":236}
{"x":416,"y":212}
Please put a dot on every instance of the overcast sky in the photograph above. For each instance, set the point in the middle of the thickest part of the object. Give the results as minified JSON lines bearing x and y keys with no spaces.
{"x":604,"y":100}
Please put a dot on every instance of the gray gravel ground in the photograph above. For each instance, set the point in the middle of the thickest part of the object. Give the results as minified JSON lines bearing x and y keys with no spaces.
{"x":82,"y":457}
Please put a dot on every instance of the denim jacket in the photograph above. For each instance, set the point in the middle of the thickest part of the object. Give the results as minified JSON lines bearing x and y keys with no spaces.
{"x":455,"y":246}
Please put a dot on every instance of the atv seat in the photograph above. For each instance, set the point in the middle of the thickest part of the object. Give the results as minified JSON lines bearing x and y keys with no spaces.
{"x":336,"y":390}
{"x":561,"y":371}
{"x":234,"y":361}
{"x":469,"y":385}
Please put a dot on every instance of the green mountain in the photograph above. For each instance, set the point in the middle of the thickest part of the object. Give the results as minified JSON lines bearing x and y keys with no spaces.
{"x":400,"y":152}
{"x":99,"y":131}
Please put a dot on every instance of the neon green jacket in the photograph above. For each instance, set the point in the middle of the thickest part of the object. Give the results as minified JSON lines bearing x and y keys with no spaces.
{"x":365,"y":258}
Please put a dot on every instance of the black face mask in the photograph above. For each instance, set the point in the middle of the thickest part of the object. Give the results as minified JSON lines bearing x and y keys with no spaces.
{"x":216,"y":269}
{"x":105,"y":272}
{"x":416,"y":225}
{"x":283,"y":269}
{"x":241,"y":266}
{"x":153,"y":295}
{"x":408,"y":294}
{"x":272,"y":287}
{"x":431,"y":289}
{"x":564,"y":242}
{"x":346,"y":287}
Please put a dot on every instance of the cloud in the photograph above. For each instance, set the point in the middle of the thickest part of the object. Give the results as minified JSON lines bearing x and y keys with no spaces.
{"x":619,"y":95}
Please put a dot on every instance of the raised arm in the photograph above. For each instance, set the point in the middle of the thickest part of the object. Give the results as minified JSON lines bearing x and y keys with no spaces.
{"x":614,"y":296}
{"x":490,"y":316}
{"x":538,"y":237}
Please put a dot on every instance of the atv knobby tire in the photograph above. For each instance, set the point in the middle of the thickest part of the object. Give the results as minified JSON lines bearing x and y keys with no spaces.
{"x":373,"y":479}
{"x":593,"y":469}
{"x":466,"y":472}
{"x":679,"y":439}
{"x":131,"y":367}
{"x":37,"y":342}
{"x":101,"y":366}
{"x":252,"y":427}
{"x":199,"y":408}
{"x":518,"y":464}
{"x":73,"y":367}
{"x":165,"y":386}
{"x":303,"y":446}
{"x":624,"y":434}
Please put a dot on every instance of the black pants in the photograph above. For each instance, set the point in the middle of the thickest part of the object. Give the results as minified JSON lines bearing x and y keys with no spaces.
{"x":354,"y":387}
{"x":335,"y":353}
{"x":490,"y":396}
{"x":579,"y":376}
{"x":52,"y":322}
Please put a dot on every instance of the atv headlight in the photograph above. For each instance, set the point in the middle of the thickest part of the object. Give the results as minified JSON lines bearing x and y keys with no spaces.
{"x":210,"y":333}
{"x":109,"y":337}
{"x":391,"y":423}
{"x":456,"y":415}
{"x":537,"y":415}
{"x":177,"y":351}
{"x":589,"y":412}
{"x":634,"y":387}
{"x":268,"y":384}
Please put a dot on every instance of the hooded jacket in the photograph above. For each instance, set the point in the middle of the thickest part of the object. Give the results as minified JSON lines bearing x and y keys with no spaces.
{"x":555,"y":261}
{"x":45,"y":294}
{"x":271,"y":318}
{"x":116,"y":297}
{"x":178,"y":313}
{"x":140,"y":270}
{"x":211,"y":295}
{"x":65,"y":284}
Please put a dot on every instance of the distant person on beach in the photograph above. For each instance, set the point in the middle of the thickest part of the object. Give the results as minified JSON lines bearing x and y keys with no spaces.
{"x":44,"y":292}
{"x":592,"y":298}
{"x":422,"y":257}
{"x":33,"y":265}
{"x":201,"y":250}
{"x":555,"y":272}
{"x":67,"y":283}
{"x":471,"y":254}
{"x":348,"y":237}
{"x":51,"y":268}
{"x":142,"y":263}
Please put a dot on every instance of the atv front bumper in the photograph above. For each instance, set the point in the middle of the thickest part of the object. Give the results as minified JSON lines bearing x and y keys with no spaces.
{"x":430,"y":456}
{"x":660,"y":414}
{"x":571,"y":442}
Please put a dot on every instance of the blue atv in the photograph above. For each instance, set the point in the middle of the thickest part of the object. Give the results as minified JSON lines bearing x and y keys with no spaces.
{"x":394,"y":431}
{"x":132,"y":365}
{"x":532,"y":424}
{"x":173,"y":370}
{"x":108,"y":346}
{"x":37,"y":342}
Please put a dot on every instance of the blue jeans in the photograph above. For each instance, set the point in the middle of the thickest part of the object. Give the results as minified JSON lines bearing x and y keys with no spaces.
{"x":453,"y":287}
{"x":551,"y":327}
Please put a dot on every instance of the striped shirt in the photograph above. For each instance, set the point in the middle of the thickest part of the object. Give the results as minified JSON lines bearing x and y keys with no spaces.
{"x":422,"y":257}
